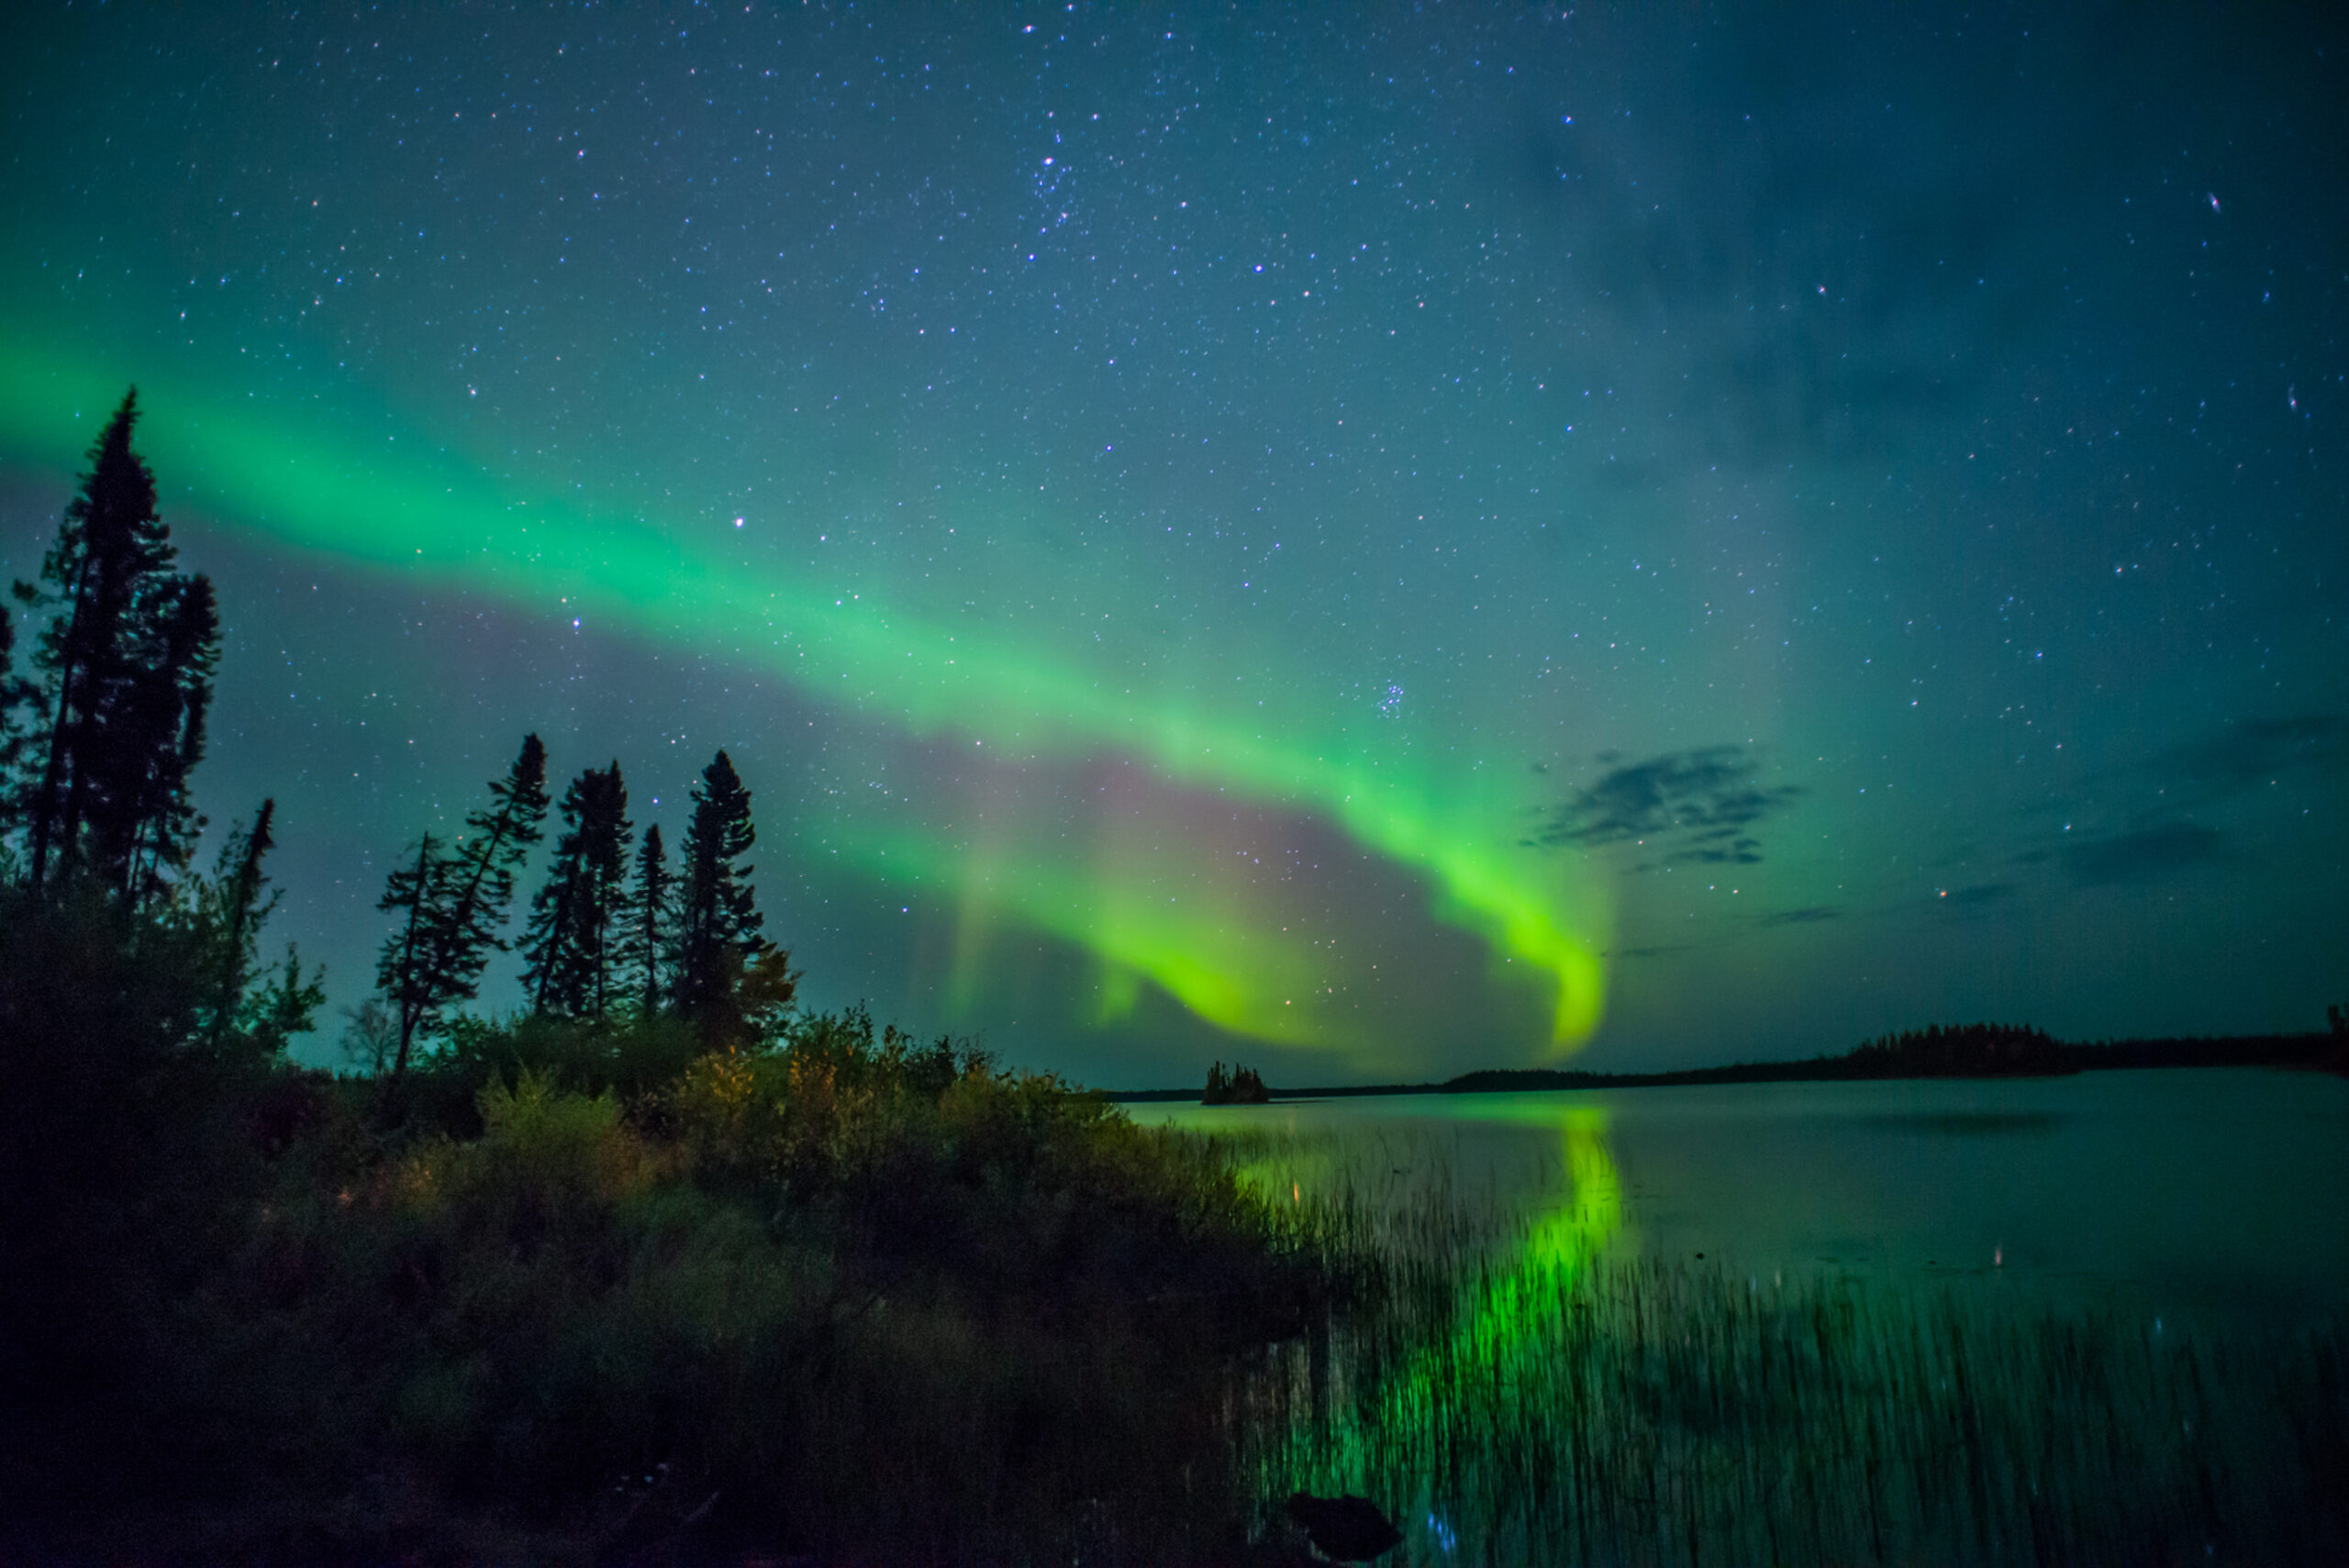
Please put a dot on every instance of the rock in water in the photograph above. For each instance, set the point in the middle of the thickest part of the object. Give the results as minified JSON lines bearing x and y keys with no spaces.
{"x":1348,"y":1529}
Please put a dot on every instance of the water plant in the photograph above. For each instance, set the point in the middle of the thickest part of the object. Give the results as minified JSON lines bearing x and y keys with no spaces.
{"x":1524,"y":1388}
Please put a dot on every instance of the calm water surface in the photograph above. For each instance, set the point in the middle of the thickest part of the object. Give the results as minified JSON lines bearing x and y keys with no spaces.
{"x":2214,"y":1196}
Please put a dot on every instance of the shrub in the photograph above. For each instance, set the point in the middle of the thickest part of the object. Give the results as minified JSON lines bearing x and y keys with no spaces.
{"x":862,"y":1295}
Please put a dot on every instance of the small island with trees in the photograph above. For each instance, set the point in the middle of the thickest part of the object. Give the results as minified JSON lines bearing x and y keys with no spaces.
{"x":1241,"y":1086}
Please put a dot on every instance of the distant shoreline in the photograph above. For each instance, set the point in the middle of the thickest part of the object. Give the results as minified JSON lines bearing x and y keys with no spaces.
{"x":2316,"y":1051}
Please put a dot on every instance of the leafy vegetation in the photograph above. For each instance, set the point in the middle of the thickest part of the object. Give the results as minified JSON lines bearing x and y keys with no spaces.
{"x":860,"y":1296}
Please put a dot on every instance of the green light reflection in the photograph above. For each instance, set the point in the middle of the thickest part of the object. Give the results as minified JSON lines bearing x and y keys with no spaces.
{"x":1513,"y":1312}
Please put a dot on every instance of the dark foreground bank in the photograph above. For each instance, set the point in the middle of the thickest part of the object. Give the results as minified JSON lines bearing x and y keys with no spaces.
{"x":596,"y":1292}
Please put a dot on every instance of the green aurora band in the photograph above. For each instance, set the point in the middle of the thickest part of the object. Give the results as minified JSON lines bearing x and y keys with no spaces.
{"x":410,"y":507}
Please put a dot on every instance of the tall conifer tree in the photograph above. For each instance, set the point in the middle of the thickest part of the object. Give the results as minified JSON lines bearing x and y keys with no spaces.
{"x":574,"y":941}
{"x":143,"y":823}
{"x":549,"y":956}
{"x":250,"y":1005}
{"x":651,"y":914}
{"x":17,"y":694}
{"x":717,"y":920}
{"x":455,"y":898}
{"x":126,"y":662}
{"x":237,"y":906}
{"x":417,"y":890}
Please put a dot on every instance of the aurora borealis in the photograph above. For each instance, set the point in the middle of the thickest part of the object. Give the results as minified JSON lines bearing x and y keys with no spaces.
{"x":1381,"y":542}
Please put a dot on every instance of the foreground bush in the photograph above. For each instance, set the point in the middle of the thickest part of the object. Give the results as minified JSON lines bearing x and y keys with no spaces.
{"x":130,"y":1163}
{"x":838,"y":1293}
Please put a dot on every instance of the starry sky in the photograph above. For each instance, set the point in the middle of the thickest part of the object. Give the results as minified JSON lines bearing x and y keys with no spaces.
{"x":1374,"y":541}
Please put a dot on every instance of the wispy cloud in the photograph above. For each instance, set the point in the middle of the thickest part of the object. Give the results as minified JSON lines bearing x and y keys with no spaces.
{"x":1808,"y":915}
{"x":2142,"y":854}
{"x":1700,"y":806}
{"x":2249,"y":753}
{"x":2157,"y":811}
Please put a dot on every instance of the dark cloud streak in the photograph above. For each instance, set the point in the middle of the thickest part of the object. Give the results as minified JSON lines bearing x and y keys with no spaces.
{"x":1811,"y":916}
{"x":2142,"y":855}
{"x":1697,"y":807}
{"x":2248,"y":753}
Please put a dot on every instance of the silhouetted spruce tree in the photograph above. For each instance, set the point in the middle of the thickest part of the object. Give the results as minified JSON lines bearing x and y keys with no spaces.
{"x":549,"y":960}
{"x":650,"y":917}
{"x":127,"y":665}
{"x":454,"y":899}
{"x":143,"y":823}
{"x":17,"y":695}
{"x":717,"y":920}
{"x":236,"y":909}
{"x":416,"y":891}
{"x":243,"y":1003}
{"x":248,"y":1005}
{"x":282,"y":1004}
{"x":577,"y":919}
{"x":599,"y":912}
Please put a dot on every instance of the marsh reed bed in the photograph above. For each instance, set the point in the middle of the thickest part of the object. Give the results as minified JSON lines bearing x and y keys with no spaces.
{"x":1515,"y":1389}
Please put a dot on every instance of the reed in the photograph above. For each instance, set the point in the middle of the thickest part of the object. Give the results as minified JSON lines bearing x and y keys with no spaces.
{"x":1516,"y":1386}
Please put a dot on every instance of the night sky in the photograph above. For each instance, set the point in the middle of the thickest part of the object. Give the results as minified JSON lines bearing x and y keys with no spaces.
{"x":1378,"y":542}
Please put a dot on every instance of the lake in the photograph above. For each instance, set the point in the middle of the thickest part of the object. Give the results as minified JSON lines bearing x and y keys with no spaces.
{"x":2209,"y":1193}
{"x":2090,"y":1319}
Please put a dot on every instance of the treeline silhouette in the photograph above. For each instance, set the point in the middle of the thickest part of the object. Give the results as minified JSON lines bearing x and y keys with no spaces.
{"x":660,"y":1263}
{"x":1963,"y":1050}
{"x":680,"y":946}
